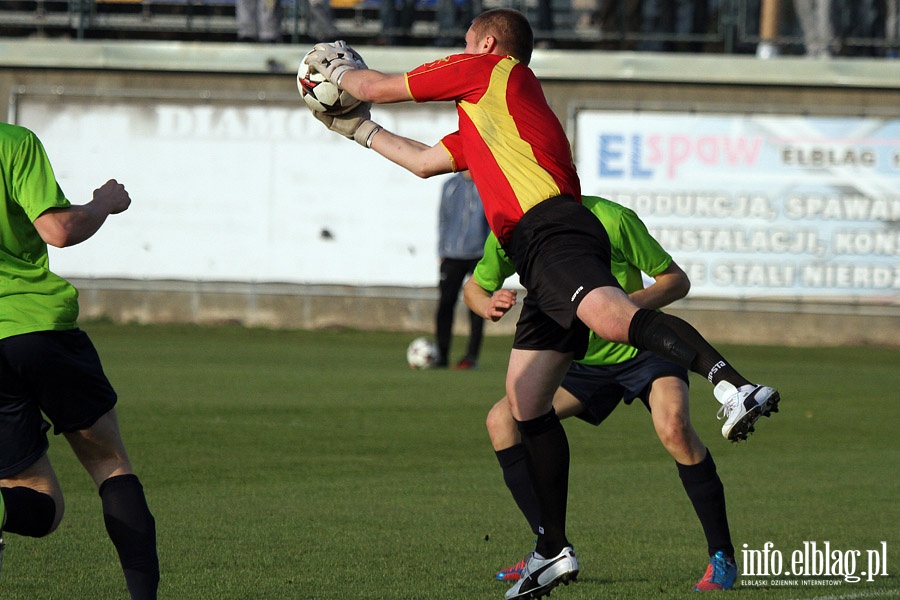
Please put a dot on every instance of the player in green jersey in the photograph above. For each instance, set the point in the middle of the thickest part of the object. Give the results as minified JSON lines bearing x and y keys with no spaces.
{"x":609,"y":373}
{"x":50,"y":372}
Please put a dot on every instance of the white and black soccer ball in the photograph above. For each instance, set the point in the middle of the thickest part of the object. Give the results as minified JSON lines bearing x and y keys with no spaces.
{"x":422,"y":353}
{"x":320,"y":94}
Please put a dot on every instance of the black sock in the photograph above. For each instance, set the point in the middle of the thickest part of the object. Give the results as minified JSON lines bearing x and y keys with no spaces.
{"x":676,"y":340}
{"x":515,"y":474}
{"x":547,"y":449}
{"x":132,"y":530}
{"x":707,"y":494}
{"x":28,"y":512}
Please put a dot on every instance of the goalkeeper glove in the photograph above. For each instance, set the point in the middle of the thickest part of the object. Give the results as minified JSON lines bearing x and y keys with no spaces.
{"x":354,"y":125}
{"x":334,"y":59}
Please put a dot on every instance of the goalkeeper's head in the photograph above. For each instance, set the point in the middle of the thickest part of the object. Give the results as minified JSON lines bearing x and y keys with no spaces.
{"x":510,"y":29}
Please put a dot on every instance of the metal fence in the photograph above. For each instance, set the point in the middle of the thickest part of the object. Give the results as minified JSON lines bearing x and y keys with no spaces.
{"x":854,"y":27}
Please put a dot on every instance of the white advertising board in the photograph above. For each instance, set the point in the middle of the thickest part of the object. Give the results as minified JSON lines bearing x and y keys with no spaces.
{"x":757,"y":205}
{"x":241,"y":191}
{"x":752,"y":206}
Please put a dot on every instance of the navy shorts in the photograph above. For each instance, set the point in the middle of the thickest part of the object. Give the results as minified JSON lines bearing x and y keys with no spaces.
{"x":601,"y":387}
{"x":561,"y":252}
{"x":56,"y":374}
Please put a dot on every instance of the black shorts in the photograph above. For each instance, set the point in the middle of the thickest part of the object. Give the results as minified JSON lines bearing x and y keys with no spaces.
{"x":561,"y":252}
{"x":52,"y":373}
{"x":601,"y":387}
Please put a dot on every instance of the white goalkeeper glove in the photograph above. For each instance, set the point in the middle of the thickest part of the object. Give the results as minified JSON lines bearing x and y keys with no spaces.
{"x":355,"y":125}
{"x":334,"y":59}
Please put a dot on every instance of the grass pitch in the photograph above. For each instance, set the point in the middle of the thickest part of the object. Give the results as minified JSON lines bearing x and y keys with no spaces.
{"x":316,"y":465}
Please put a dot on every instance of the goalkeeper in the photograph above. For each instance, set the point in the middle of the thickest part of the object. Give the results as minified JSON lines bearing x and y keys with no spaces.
{"x":594,"y":386}
{"x":521,"y":162}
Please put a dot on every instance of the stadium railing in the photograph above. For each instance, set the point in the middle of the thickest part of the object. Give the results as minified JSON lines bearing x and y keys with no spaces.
{"x":732,"y":26}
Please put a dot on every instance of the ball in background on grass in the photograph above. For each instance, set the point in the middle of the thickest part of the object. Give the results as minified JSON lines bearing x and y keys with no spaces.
{"x":320,"y":94}
{"x":422,"y":353}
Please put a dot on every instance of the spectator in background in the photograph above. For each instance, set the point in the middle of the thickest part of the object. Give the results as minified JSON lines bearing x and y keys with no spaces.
{"x":892,"y":28}
{"x":544,"y":27}
{"x":670,"y":18}
{"x":769,"y":28}
{"x":815,"y":21}
{"x":462,"y":230}
{"x":617,"y":19}
{"x":861,"y":19}
{"x":320,"y":20}
{"x":258,"y":20}
{"x":397,"y":18}
{"x":453,"y":19}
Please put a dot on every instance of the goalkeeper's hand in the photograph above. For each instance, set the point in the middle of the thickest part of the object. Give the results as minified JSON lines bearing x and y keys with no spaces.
{"x":354,"y":125}
{"x":334,"y":59}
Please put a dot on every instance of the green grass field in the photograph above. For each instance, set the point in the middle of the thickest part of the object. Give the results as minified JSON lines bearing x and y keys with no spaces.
{"x":316,"y":465}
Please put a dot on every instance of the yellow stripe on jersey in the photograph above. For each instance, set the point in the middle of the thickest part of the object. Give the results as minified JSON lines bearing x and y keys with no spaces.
{"x":492,"y":118}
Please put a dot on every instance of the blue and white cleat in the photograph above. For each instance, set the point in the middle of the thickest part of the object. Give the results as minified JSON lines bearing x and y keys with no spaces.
{"x":541,"y":575}
{"x":742,"y":407}
{"x":720,"y":574}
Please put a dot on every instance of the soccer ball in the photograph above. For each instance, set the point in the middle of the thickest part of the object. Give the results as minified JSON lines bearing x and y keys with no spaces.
{"x":421,"y":353}
{"x":320,"y":94}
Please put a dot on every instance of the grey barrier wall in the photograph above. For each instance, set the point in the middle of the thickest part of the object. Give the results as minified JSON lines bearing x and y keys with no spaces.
{"x":574,"y":82}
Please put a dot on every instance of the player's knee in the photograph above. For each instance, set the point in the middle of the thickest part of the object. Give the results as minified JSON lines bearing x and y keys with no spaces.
{"x":500,"y":424}
{"x":32,"y":513}
{"x":493,"y":422}
{"x":674,"y":430}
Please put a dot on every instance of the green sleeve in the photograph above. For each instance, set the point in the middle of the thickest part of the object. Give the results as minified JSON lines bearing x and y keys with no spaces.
{"x":32,"y":298}
{"x":34,"y":185}
{"x":494,"y":267}
{"x":639,"y":248}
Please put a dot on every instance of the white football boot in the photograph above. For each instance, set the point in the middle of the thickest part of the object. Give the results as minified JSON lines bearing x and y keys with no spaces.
{"x":543,"y":574}
{"x":742,"y":407}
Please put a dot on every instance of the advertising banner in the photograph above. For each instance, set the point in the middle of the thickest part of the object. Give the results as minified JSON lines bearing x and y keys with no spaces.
{"x":230,"y":189}
{"x":757,"y":205}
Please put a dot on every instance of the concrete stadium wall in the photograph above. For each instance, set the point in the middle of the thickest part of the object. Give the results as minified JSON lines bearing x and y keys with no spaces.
{"x":282,"y":306}
{"x":631,"y":81}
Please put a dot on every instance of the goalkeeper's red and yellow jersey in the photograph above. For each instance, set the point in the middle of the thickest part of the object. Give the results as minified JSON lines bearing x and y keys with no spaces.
{"x":508,"y":138}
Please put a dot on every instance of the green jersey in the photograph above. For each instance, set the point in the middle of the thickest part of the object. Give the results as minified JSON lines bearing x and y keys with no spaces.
{"x":633,"y":250}
{"x":31,"y":297}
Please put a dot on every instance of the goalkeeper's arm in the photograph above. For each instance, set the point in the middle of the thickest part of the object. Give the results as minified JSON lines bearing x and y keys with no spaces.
{"x":417,"y":158}
{"x":376,"y":87}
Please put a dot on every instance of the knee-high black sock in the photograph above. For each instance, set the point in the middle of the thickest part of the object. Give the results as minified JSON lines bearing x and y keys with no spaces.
{"x":707,"y":494}
{"x":515,"y":474}
{"x":28,"y":512}
{"x":547,"y":449}
{"x":132,"y":529}
{"x":676,"y":340}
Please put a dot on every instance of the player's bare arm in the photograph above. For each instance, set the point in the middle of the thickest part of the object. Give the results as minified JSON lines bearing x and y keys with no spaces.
{"x":670,"y":285}
{"x":416,"y":157}
{"x":62,"y":227}
{"x":501,"y":303}
{"x":376,"y":87}
{"x":484,"y":303}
